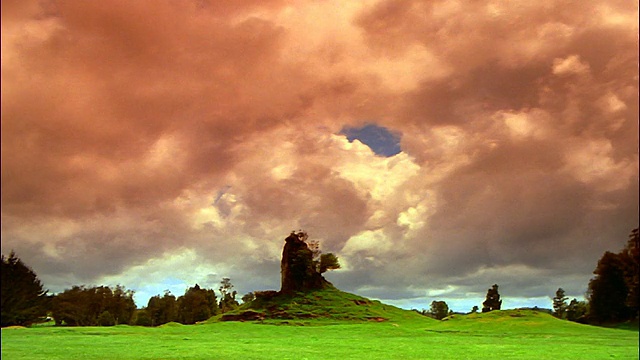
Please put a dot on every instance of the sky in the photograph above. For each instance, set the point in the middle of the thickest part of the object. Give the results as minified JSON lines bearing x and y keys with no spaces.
{"x":436,"y":147}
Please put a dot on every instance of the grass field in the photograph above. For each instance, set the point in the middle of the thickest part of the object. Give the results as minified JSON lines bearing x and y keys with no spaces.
{"x":503,"y":335}
{"x":333,"y":325}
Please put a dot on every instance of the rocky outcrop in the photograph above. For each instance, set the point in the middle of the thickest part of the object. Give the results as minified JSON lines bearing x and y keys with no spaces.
{"x":298,"y":269}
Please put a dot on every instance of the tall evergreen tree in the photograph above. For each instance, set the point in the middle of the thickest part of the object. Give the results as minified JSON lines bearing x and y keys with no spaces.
{"x":608,"y":291}
{"x":614,"y":291}
{"x":23,"y":299}
{"x":493,"y":301}
{"x":560,"y":303}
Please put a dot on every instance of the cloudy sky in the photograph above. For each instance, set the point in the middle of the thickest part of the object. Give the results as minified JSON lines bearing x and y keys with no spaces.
{"x":437,"y":147}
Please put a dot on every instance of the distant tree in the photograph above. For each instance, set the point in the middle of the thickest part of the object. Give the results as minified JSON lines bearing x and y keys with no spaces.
{"x":577,"y":310}
{"x":560,"y":303}
{"x":118,"y":301}
{"x":162,"y":310}
{"x":82,"y":306}
{"x":493,"y":301}
{"x":321,"y":262}
{"x":632,"y":272}
{"x":608,"y":290}
{"x":474,"y":309}
{"x":142,"y":318}
{"x":227,"y":296}
{"x":197,"y":305}
{"x":328,"y":261}
{"x":23,"y":299}
{"x":106,"y":319}
{"x":248,"y":297}
{"x":439,"y":310}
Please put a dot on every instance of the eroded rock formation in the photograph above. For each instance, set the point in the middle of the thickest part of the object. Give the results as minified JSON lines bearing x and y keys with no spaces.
{"x":297,"y":268}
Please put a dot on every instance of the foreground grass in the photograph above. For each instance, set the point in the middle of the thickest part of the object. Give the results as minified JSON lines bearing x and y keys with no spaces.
{"x":504,"y":334}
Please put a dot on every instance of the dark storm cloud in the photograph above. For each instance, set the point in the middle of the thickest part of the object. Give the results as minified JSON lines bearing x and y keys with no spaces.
{"x":202,"y":133}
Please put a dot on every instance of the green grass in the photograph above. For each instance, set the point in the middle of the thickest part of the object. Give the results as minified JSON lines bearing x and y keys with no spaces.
{"x":339,"y":329}
{"x":329,"y":304}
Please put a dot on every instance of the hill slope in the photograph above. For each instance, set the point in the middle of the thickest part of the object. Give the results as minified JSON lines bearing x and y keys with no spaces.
{"x":327,"y":303}
{"x":505,"y":321}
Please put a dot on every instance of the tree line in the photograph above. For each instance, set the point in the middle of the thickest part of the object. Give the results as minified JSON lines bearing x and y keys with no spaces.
{"x":612,"y":296}
{"x":440,"y":309}
{"x":24,"y":302}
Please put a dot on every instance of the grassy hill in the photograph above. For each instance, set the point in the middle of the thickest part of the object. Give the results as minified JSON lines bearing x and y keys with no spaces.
{"x":339,"y":328}
{"x":325,"y":304}
{"x":330,"y":324}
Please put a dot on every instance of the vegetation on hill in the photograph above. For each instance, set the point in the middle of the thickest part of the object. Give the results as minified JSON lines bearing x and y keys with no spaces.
{"x":504,"y":334}
{"x":327,"y":303}
{"x":304,"y":295}
{"x":24,"y":301}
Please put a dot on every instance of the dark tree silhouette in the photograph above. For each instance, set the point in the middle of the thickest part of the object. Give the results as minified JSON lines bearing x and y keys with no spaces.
{"x":577,"y":310}
{"x":23,"y":299}
{"x":439,"y":310}
{"x":560,"y":303}
{"x":106,"y":319}
{"x":632,"y":272}
{"x":613,"y":292}
{"x":608,"y":291}
{"x":248,"y":297}
{"x":81,"y":306}
{"x":197,"y":305}
{"x":227,"y":296}
{"x":493,"y":301}
{"x":142,"y":318}
{"x":161,"y":310}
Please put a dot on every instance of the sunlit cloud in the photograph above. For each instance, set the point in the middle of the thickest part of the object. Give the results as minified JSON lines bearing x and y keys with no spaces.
{"x":433,"y":151}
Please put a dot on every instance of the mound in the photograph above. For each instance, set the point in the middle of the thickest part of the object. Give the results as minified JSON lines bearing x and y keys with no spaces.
{"x":171,"y":324}
{"x":14,"y":327}
{"x":327,"y":303}
{"x":504,"y":321}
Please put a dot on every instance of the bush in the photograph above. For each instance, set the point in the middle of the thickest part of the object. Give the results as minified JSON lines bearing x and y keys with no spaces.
{"x":143,"y":318}
{"x":106,"y":319}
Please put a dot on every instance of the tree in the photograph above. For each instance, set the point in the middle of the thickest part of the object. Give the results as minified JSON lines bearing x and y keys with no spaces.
{"x":577,"y":310}
{"x":142,"y":318}
{"x":328,"y":261}
{"x":162,"y":310}
{"x":493,"y":301}
{"x":248,"y":297}
{"x":197,"y":305}
{"x":23,"y":299}
{"x":439,"y":310}
{"x":82,"y":306}
{"x":560,"y":303}
{"x":474,"y":309}
{"x":608,"y":290}
{"x":632,"y":272}
{"x":227,"y":296}
{"x":106,"y":319}
{"x":121,"y":305}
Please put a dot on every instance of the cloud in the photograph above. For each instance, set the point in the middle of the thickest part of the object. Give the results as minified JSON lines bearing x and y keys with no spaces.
{"x":137,"y":138}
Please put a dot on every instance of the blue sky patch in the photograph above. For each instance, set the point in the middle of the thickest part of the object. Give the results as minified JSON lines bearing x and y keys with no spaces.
{"x":382,"y":141}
